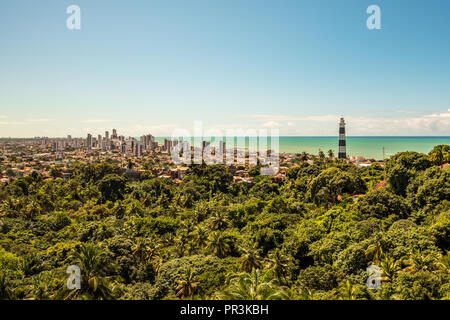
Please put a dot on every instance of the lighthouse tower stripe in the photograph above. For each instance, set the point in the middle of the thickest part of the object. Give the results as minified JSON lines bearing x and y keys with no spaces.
{"x":342,"y":150}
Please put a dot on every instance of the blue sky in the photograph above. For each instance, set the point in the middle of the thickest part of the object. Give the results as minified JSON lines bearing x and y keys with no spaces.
{"x":153,"y":66}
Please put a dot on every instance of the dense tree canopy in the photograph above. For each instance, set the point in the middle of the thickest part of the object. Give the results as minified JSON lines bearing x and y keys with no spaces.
{"x":311,"y":236}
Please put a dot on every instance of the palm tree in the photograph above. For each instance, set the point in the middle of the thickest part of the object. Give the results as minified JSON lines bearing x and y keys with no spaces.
{"x":257,"y":285}
{"x":306,"y":294}
{"x":251,"y":260}
{"x":180,"y":248}
{"x":94,"y":267}
{"x":201,"y":212}
{"x":30,"y":264}
{"x":186,"y":287}
{"x":142,"y":250}
{"x":321,"y":155}
{"x":417,"y":261}
{"x":200,"y":237}
{"x":218,"y":222}
{"x":348,"y":291}
{"x":445,"y":262}
{"x":389,"y":266}
{"x":304,"y":156}
{"x":219,"y":244}
{"x":42,"y":288}
{"x":32,"y":210}
{"x":330,"y":154}
{"x":5,"y":291}
{"x":290,"y":293}
{"x":294,"y":293}
{"x":374,"y":252}
{"x":279,"y":265}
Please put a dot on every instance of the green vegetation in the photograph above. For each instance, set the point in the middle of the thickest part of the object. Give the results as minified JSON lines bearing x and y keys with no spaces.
{"x":311,"y":236}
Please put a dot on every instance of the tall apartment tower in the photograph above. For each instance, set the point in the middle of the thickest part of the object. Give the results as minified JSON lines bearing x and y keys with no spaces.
{"x":222,"y":147}
{"x":138,"y":149}
{"x":89,"y":142}
{"x":342,"y":151}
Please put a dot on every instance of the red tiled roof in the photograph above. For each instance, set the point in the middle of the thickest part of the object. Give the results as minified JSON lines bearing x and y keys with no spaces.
{"x":382,"y":184}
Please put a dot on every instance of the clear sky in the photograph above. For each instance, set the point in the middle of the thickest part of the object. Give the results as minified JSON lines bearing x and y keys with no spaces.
{"x":152,"y":66}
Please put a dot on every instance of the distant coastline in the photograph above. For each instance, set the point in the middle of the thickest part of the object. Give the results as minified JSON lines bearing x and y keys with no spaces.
{"x":370,"y":147}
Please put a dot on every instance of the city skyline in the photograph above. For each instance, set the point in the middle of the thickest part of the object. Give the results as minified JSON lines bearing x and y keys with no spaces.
{"x":152,"y":66}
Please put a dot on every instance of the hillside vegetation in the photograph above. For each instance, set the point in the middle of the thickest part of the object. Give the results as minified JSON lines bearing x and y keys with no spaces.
{"x":310,"y":237}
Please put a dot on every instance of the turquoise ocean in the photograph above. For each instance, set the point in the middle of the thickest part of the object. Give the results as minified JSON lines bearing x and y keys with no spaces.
{"x":368,"y":147}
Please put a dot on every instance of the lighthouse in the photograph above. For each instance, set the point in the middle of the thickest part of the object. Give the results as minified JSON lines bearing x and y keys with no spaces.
{"x":342,"y":151}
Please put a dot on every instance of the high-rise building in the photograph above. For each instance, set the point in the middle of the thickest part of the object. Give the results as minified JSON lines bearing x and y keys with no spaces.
{"x":146,"y":142}
{"x":138,"y":149}
{"x":114,"y":134}
{"x":89,"y":142}
{"x":149,"y":142}
{"x":168,"y":144}
{"x":342,"y":148}
{"x":106,"y":135}
{"x":205,"y":144}
{"x":222,"y":147}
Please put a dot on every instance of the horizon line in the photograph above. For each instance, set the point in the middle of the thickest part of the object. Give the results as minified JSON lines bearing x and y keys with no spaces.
{"x":284,"y":136}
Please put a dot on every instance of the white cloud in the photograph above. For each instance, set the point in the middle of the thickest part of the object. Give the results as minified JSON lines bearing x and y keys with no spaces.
{"x":443,"y":114}
{"x":156,"y":130}
{"x":270,"y":117}
{"x":407,"y":111}
{"x":39,"y":120}
{"x":270,"y":124}
{"x":8,"y":123}
{"x":409,"y":123}
{"x":98,"y":121}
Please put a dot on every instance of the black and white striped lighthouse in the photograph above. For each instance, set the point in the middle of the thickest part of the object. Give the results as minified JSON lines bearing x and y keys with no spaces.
{"x":342,"y":152}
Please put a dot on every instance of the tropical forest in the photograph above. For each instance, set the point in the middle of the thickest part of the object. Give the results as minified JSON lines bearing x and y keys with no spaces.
{"x":312,"y":236}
